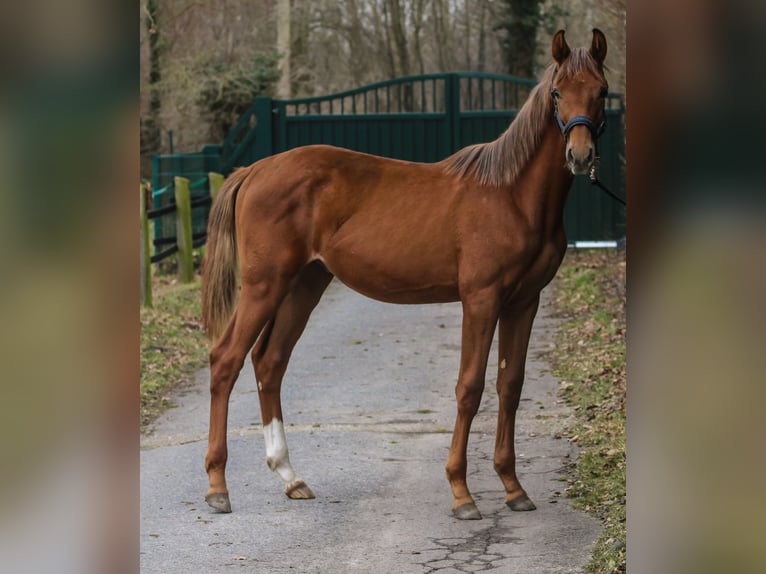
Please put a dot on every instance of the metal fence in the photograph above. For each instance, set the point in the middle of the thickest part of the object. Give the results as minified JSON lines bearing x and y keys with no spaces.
{"x":417,"y":118}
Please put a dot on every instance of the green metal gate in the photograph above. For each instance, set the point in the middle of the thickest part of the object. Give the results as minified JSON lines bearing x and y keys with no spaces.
{"x":419,"y":118}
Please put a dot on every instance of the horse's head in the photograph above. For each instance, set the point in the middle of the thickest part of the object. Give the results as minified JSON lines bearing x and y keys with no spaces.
{"x":579,"y":90}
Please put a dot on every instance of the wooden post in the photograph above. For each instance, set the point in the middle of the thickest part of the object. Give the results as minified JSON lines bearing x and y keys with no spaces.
{"x":216,"y":182}
{"x":145,"y":254}
{"x":184,"y":230}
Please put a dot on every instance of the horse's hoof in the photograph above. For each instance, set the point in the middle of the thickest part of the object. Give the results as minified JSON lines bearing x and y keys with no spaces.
{"x":299,"y":490}
{"x":521,"y":503}
{"x":467,"y":511}
{"x":219,"y":501}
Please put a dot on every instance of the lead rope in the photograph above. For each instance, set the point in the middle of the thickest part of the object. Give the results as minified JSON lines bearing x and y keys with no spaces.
{"x":593,"y":177}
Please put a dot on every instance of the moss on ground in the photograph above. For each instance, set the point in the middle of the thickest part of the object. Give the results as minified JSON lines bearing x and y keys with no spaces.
{"x":590,"y":361}
{"x":173,"y":344}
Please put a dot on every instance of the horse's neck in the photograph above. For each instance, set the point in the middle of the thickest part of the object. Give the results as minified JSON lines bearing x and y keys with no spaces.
{"x":542,"y":187}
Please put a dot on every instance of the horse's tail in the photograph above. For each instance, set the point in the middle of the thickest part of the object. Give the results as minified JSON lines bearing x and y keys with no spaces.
{"x":219,"y":272}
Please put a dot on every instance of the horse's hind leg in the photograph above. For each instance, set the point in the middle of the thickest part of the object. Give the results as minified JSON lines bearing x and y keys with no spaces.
{"x":258,"y":302}
{"x":270,"y":357}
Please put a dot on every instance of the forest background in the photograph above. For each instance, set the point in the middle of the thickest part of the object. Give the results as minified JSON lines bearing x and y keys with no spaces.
{"x":204,"y":61}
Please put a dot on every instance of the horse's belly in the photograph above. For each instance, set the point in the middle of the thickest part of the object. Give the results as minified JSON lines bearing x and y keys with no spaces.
{"x":394,"y":275}
{"x":403,"y":294}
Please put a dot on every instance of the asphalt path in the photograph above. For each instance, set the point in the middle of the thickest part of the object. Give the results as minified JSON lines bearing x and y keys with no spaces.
{"x":368,"y":401}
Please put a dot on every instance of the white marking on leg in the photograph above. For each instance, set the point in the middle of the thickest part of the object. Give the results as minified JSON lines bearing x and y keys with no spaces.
{"x":277,"y":456}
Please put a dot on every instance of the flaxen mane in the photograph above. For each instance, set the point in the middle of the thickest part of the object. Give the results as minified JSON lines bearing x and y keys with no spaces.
{"x":500,"y":162}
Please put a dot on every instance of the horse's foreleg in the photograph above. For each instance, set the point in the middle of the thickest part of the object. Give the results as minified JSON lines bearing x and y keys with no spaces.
{"x":270,"y":357}
{"x":514,"y":332}
{"x":256,"y":305}
{"x":479,"y":319}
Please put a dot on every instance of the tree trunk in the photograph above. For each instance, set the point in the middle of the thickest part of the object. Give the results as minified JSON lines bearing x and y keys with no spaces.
{"x":418,"y":8}
{"x":397,"y":25}
{"x":519,"y":21}
{"x":358,"y":54}
{"x":402,"y":51}
{"x":284,"y":87}
{"x":467,"y":12}
{"x":482,"y":48}
{"x":386,"y":35}
{"x":440,"y":33}
{"x":150,"y":134}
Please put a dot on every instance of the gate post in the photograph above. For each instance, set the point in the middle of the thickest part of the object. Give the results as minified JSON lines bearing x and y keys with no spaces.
{"x":263,"y":128}
{"x":452,"y":109}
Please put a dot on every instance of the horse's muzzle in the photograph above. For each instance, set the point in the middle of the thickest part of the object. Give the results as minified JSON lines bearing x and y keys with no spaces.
{"x":580,"y":163}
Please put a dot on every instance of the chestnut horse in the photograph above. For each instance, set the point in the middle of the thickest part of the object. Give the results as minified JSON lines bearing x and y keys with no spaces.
{"x":483,"y":227}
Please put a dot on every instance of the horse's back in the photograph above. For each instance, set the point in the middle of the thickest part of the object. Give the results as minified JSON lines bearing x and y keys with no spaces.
{"x":385,"y":227}
{"x":397,"y":231}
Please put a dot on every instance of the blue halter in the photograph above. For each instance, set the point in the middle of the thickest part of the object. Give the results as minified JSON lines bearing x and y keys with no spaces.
{"x":595,"y":130}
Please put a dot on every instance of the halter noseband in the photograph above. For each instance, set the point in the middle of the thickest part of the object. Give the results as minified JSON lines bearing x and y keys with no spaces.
{"x":595,"y":131}
{"x":565,"y":128}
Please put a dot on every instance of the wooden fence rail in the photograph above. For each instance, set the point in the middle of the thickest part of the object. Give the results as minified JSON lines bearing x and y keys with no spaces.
{"x":185,"y":241}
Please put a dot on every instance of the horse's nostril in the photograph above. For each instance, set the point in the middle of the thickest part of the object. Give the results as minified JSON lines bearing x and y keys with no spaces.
{"x":590,"y":155}
{"x":570,"y":155}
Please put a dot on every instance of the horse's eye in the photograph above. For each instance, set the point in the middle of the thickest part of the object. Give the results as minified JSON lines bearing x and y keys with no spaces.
{"x":604,"y":92}
{"x":555,"y":93}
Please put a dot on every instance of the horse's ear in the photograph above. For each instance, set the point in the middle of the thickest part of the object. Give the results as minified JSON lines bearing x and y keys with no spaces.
{"x":560,"y":48}
{"x":598,"y":46}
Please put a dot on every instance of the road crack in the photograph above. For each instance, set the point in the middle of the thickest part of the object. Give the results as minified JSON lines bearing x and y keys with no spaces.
{"x":473,"y":553}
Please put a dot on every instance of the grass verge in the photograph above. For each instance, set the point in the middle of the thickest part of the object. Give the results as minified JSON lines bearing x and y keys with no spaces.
{"x":173,"y":344}
{"x":590,"y":361}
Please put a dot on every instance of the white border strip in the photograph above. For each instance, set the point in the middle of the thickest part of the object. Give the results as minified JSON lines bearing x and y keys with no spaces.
{"x":593,"y":244}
